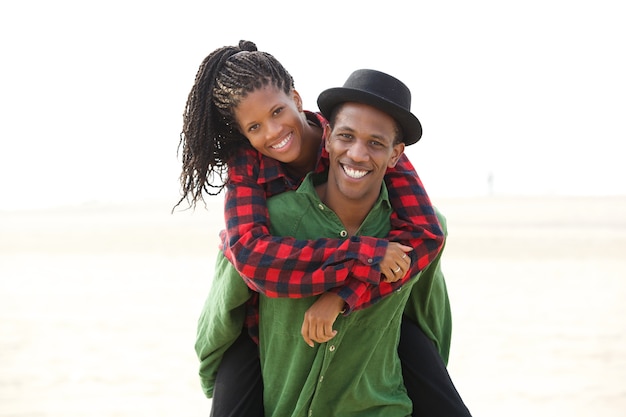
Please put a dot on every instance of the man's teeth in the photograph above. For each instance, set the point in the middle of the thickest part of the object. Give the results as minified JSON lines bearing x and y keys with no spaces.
{"x":354,"y":173}
{"x":282,"y":143}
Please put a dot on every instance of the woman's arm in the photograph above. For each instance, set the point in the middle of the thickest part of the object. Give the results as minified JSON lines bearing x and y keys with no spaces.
{"x":414,"y":221}
{"x":268,"y":262}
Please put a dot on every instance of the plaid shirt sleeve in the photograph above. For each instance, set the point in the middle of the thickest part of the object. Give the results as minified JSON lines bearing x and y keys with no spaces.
{"x":413,"y":223}
{"x":363,"y":295}
{"x":285,"y":266}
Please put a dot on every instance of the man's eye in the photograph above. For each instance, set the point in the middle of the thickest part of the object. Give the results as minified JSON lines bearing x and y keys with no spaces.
{"x":278,"y":111}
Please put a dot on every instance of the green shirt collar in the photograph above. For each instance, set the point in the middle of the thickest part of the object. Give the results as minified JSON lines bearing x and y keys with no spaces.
{"x":313,"y":179}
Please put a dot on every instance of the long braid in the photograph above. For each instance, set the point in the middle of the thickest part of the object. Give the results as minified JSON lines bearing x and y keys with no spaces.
{"x":210,"y":137}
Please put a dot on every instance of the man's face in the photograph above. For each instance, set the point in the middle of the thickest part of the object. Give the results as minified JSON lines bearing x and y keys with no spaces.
{"x":361,"y":146}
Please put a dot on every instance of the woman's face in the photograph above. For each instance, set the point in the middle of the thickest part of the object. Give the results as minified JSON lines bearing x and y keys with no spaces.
{"x":273,"y":122}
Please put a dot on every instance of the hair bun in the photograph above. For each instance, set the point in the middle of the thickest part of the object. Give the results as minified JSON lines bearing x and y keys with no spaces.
{"x":247,"y":46}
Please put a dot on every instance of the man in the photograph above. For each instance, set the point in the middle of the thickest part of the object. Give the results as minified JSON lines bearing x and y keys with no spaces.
{"x":356,"y":368}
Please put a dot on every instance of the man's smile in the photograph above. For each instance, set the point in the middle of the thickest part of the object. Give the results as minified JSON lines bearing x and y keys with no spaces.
{"x":354,"y":172}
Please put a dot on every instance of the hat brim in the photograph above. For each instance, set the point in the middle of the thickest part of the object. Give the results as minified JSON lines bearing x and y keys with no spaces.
{"x":411,"y":126}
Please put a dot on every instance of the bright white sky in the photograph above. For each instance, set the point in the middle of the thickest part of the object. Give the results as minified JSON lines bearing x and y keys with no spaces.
{"x":534,"y":92}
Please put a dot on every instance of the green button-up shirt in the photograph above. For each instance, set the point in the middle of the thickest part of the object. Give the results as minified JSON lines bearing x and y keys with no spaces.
{"x":358,"y":372}
{"x":223,"y":315}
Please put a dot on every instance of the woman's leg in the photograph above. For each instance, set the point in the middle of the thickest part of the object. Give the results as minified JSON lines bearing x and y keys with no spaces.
{"x":238,"y":390}
{"x":426,"y":377}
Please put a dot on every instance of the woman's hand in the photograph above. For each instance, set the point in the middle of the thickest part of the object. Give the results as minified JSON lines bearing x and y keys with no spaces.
{"x":396,"y":262}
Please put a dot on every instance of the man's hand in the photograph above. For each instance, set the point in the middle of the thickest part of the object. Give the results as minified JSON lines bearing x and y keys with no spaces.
{"x":396,"y":262}
{"x":320,"y":317}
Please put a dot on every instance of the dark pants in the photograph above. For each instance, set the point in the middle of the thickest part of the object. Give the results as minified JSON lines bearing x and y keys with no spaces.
{"x":238,"y":388}
{"x":426,"y":377}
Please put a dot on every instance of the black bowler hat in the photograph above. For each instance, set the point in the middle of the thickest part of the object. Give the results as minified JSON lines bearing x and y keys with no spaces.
{"x":379,"y":90}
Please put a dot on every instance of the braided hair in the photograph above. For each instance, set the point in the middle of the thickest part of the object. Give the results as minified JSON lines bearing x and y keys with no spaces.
{"x":210,"y":137}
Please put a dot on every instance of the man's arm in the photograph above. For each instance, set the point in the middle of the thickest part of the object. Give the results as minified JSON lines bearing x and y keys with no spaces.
{"x":429,"y":306}
{"x":221,"y":320}
{"x":318,"y":321}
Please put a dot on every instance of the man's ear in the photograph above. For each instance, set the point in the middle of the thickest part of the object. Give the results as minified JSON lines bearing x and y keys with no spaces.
{"x":326,"y":136}
{"x":298,"y":100}
{"x":398,"y":150}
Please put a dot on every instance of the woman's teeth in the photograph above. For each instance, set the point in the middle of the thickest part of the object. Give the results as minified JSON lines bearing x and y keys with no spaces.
{"x":282,"y":143}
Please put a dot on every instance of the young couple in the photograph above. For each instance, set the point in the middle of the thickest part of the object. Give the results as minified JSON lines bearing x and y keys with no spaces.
{"x":329,"y":283}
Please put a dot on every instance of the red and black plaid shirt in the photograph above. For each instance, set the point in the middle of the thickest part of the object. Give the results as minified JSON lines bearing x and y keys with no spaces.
{"x":288,"y":267}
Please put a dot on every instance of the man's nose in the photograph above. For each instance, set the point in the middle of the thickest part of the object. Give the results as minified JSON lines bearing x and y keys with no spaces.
{"x":358,"y":151}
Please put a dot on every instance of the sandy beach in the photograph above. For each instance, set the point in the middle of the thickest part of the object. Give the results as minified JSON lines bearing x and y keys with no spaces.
{"x":98,"y":307}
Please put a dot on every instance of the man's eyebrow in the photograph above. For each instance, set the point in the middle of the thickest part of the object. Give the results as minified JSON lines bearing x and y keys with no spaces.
{"x":343,"y":127}
{"x":381,"y":137}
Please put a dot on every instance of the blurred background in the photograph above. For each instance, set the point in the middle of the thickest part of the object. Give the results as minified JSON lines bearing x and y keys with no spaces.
{"x":523,"y":109}
{"x":515,"y":97}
